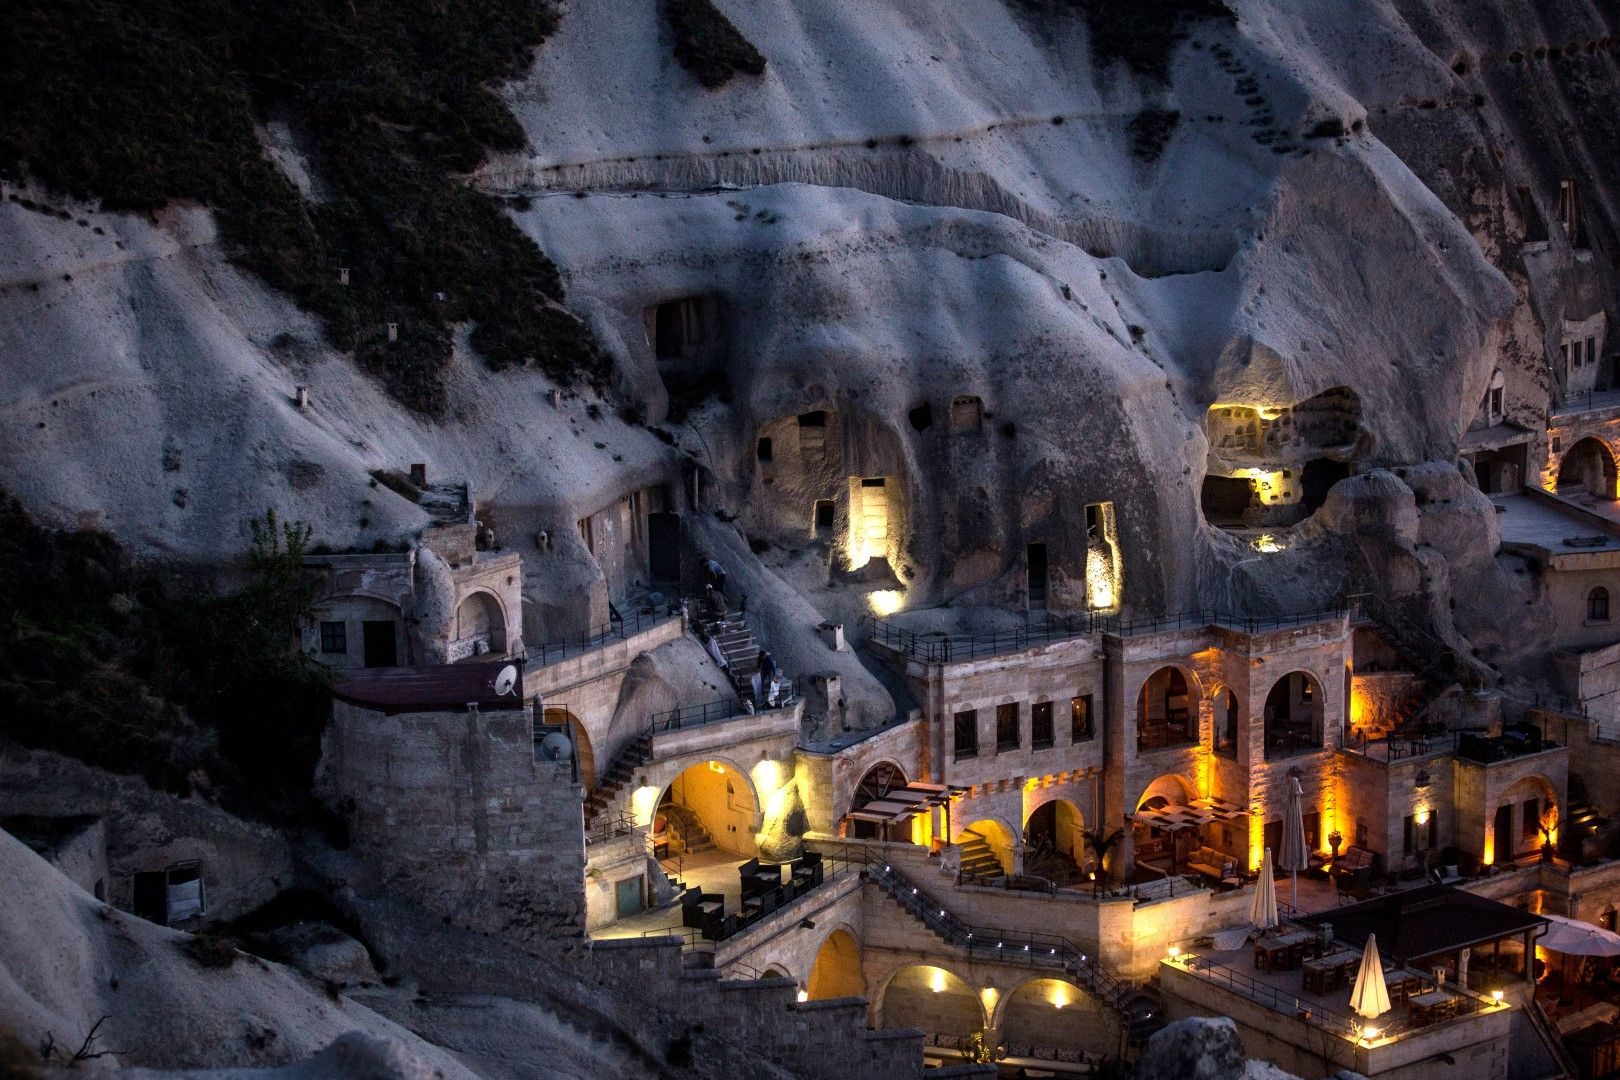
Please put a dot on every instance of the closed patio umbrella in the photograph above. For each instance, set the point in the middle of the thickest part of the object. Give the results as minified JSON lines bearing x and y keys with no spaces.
{"x":1263,"y":909}
{"x":1370,"y":997}
{"x":1294,"y":856}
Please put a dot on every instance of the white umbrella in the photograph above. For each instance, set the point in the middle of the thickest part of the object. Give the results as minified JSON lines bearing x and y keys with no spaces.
{"x":1575,"y":938}
{"x":1370,"y":997}
{"x":1263,"y":910}
{"x":1293,"y":856}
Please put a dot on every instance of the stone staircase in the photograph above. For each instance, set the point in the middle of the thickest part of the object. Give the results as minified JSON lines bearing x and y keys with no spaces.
{"x":978,"y":860}
{"x":737,"y":644}
{"x":1140,"y":1009}
{"x":695,"y":839}
{"x":618,"y":776}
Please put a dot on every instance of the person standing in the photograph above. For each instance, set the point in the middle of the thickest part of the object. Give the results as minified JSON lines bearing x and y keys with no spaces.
{"x":717,"y":575}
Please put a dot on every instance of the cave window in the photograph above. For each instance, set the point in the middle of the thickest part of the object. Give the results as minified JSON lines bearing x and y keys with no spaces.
{"x":763,"y":449}
{"x":967,"y":413}
{"x":1597,"y":605}
{"x":1007,"y":727}
{"x":1080,"y":725}
{"x":922,"y":417}
{"x":1569,"y":212}
{"x":815,"y":418}
{"x":823,"y":520}
{"x":967,"y":734}
{"x":1040,"y":725}
{"x":677,"y":327}
{"x":1591,"y":350}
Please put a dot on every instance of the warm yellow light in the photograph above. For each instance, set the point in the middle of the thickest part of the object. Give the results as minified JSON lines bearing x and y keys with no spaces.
{"x":1422,"y":816}
{"x":716,"y":767}
{"x":1496,"y":996}
{"x":768,"y":777}
{"x":643,"y":802}
{"x":1175,"y":951}
{"x":1060,"y":996}
{"x":989,"y":994}
{"x":1369,"y":1033}
{"x":1490,"y":848}
{"x":936,"y":981}
{"x":1266,"y":543}
{"x":885,"y":601}
{"x":804,"y":995}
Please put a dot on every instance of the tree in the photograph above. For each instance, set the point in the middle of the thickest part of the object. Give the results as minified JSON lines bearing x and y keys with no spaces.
{"x":1100,"y":846}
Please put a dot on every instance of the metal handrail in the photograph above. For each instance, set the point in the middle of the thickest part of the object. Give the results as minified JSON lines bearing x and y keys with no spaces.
{"x":946,"y":648}
{"x":617,"y":629}
{"x":690,"y":716}
{"x":610,"y":826}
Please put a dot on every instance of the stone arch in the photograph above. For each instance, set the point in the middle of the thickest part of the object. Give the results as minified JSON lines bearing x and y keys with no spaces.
{"x":719,"y":796}
{"x":558,"y":714}
{"x":836,"y":970}
{"x":932,"y":998}
{"x":1597,"y":605}
{"x":1167,"y":708}
{"x":480,"y":626}
{"x":1151,"y":845}
{"x":1051,"y":1012}
{"x":1588,"y":467}
{"x":1294,"y":715}
{"x":774,"y":972}
{"x":884,"y":776}
{"x":1173,"y":788}
{"x":1054,"y":844}
{"x":987,"y":835}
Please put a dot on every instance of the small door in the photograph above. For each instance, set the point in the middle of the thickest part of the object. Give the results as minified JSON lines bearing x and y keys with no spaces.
{"x":1504,"y":834}
{"x":381,"y":650}
{"x":1036,"y":559}
{"x":664,"y":547}
{"x":629,"y":897}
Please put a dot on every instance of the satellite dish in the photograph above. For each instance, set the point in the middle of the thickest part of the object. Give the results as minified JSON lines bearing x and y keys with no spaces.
{"x":506,"y":680}
{"x":556,"y":747}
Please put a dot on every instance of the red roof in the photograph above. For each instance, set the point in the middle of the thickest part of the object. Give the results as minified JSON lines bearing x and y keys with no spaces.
{"x":426,"y":689}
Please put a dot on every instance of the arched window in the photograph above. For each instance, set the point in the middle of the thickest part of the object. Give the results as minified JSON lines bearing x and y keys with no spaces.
{"x":1597,"y":605}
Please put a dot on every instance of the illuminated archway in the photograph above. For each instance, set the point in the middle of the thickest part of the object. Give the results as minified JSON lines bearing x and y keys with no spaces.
{"x":837,"y":970}
{"x":1528,"y":813}
{"x":1167,"y":710}
{"x":1054,"y":844}
{"x":1157,"y":847}
{"x":878,"y":781}
{"x":1052,"y":1013}
{"x":711,"y":805}
{"x":932,"y":999}
{"x":556,"y":714}
{"x":480,"y":627}
{"x":986,"y":836}
{"x":1588,"y":467}
{"x":1293,"y":716}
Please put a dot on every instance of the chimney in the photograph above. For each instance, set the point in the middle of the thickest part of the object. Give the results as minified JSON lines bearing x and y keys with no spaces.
{"x":301,"y":396}
{"x":419,"y":474}
{"x":393,"y":331}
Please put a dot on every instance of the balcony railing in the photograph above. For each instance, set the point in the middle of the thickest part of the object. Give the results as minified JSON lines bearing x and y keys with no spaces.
{"x":941,"y":648}
{"x":713,"y":712}
{"x":596,"y":637}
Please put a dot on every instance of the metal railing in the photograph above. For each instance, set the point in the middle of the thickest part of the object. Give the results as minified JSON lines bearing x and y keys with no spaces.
{"x":1282,"y":1000}
{"x":607,"y":827}
{"x":1468,"y":745}
{"x":617,"y":629}
{"x":948,"y":648}
{"x":691,"y":716}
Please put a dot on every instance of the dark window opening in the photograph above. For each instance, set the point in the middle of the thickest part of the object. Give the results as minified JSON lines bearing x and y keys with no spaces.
{"x":1035,"y":560}
{"x":334,"y":637}
{"x":967,"y":734}
{"x":1226,"y":719}
{"x":875,"y":481}
{"x":1530,"y":823}
{"x":1165,"y":713}
{"x":380,"y":646}
{"x":762,"y":449}
{"x":1319,"y":475}
{"x":922,"y":417}
{"x":824,"y":514}
{"x":1007,"y":727}
{"x":1080,"y":726}
{"x":1224,"y":500}
{"x":1293,"y":716}
{"x":1597,"y":605}
{"x":1040,"y":725}
{"x":815,"y":418}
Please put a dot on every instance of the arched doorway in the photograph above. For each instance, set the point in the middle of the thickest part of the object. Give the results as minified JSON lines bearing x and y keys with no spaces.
{"x":1588,"y":467}
{"x":1052,"y":1013}
{"x":1157,"y":851}
{"x":480,"y":627}
{"x":1054,"y":842}
{"x":879,"y":780}
{"x":932,"y":999}
{"x":1293,"y":716}
{"x":709,"y":812}
{"x":1227,"y":713}
{"x":987,"y":848}
{"x":1167,"y":710}
{"x":837,"y":970}
{"x":557,"y":715}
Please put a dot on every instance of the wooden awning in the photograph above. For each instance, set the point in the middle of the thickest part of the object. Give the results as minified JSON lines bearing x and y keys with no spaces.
{"x":1198,"y":813}
{"x":899,"y":804}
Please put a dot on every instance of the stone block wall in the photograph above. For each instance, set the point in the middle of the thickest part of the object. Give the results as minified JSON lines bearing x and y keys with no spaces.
{"x":454,"y":809}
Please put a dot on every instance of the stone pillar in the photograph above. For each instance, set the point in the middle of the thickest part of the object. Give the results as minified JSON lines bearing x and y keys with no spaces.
{"x":1462,"y":967}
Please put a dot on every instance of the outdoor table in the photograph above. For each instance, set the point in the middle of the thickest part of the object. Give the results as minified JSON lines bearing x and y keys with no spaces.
{"x":1280,"y":951}
{"x":1435,"y":1005}
{"x":1401,"y":983}
{"x":1326,"y":973}
{"x":1213,"y":873}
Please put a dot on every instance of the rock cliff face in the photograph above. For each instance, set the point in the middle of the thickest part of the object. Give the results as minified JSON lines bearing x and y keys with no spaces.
{"x":1005,"y":278}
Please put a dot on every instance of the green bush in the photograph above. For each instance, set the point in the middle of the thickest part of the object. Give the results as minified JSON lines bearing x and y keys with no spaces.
{"x":141,"y":103}
{"x":124,"y":670}
{"x":708,"y":45}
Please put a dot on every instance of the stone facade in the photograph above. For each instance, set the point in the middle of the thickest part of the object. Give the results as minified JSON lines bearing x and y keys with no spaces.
{"x":457,"y":813}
